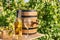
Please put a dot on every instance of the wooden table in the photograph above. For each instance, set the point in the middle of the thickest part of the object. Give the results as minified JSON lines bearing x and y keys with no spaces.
{"x":31,"y":37}
{"x":24,"y":37}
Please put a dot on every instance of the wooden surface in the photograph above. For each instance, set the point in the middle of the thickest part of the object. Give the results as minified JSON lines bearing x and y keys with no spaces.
{"x":24,"y":37}
{"x":31,"y":37}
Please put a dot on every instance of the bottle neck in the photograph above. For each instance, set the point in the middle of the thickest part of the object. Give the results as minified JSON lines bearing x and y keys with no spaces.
{"x":19,"y":14}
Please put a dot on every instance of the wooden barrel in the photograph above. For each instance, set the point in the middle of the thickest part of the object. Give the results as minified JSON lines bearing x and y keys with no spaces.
{"x":29,"y":19}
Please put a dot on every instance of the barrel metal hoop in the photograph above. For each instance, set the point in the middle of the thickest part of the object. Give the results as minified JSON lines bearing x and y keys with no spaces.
{"x":28,"y":16}
{"x":29,"y":33}
{"x":30,"y":28}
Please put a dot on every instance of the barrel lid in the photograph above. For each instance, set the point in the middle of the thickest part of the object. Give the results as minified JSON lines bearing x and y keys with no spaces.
{"x":28,"y":10}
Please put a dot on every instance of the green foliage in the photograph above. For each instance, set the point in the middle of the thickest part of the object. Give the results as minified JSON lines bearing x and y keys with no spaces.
{"x":49,"y":19}
{"x":48,"y":15}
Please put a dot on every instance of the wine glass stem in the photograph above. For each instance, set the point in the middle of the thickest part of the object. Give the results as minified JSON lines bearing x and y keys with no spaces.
{"x":27,"y":32}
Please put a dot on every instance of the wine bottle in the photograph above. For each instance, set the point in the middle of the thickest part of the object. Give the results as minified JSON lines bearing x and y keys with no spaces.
{"x":18,"y":24}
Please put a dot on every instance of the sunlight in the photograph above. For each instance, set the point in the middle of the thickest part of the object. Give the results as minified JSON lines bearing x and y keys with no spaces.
{"x":26,"y":0}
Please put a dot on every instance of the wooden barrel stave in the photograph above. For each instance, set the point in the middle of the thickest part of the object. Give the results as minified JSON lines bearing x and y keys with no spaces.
{"x":29,"y":13}
{"x":33,"y":19}
{"x":30,"y":31}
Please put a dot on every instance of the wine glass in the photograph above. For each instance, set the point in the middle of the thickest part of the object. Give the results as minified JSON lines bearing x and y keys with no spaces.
{"x":27,"y":25}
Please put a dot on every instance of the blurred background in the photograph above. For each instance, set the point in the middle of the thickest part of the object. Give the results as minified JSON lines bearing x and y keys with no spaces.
{"x":48,"y":15}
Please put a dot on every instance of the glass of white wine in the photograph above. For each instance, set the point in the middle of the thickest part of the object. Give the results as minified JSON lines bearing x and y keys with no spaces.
{"x":27,"y":25}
